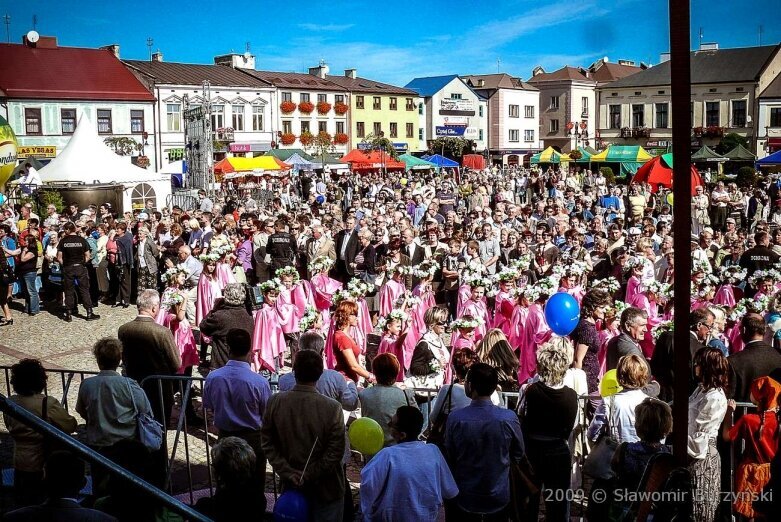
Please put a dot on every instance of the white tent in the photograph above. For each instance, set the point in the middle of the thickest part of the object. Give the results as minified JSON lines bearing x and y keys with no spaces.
{"x":87,"y":160}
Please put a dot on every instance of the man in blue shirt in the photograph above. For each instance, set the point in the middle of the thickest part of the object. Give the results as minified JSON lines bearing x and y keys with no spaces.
{"x":238,"y":396}
{"x":481,"y":441}
{"x":389,"y":477}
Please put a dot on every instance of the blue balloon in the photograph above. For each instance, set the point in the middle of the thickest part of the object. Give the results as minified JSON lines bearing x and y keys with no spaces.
{"x":320,"y":199}
{"x":291,"y":506}
{"x":562,"y":313}
{"x":3,"y":199}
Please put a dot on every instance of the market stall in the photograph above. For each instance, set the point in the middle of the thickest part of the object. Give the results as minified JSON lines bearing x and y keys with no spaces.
{"x":371,"y":160}
{"x":658,"y":172}
{"x":473,"y":161}
{"x":550,"y":155}
{"x":629,"y":158}
{"x":87,"y":161}
{"x":415,"y":163}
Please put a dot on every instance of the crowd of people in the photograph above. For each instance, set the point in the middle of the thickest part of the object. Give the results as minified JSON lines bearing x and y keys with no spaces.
{"x":373,"y":289}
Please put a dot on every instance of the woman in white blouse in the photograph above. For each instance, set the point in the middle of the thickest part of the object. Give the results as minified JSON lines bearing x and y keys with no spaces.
{"x":707,"y":407}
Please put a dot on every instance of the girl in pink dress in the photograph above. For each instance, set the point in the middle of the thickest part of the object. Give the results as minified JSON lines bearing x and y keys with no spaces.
{"x":518,"y":321}
{"x":289,"y":283}
{"x":463,"y":333}
{"x":648,"y":301}
{"x":209,"y":289}
{"x":635,"y":265}
{"x":608,"y":329}
{"x":393,"y":334}
{"x":173,"y":305}
{"x":504,"y":303}
{"x":475,"y":307}
{"x":391,"y":291}
{"x":536,"y":332}
{"x":323,"y":288}
{"x":425,"y":289}
{"x":224,"y":271}
{"x":268,"y":338}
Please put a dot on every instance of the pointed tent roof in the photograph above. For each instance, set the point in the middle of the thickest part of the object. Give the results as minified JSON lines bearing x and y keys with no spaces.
{"x":87,"y":159}
{"x":413,"y":162}
{"x":705,"y":153}
{"x":622,"y":153}
{"x":298,"y":162}
{"x":441,"y":161}
{"x":740,"y":153}
{"x":550,"y":155}
{"x":249,"y":164}
{"x":284,"y":154}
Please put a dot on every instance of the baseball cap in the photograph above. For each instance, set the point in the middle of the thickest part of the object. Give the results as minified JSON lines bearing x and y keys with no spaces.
{"x":143,"y":215}
{"x":731,"y":220}
{"x":86,"y":212}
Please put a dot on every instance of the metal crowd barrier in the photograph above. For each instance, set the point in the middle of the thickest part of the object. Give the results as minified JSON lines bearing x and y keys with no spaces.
{"x":185,"y":434}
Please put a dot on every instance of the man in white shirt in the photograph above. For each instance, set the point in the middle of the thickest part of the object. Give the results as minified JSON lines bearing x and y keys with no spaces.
{"x":31,"y":179}
{"x":410,"y":465}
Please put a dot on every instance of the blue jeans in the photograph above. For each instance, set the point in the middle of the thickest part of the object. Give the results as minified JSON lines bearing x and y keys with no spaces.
{"x":32,"y":301}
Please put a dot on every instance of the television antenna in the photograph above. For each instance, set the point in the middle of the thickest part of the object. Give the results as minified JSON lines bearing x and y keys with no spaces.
{"x":761,"y":29}
{"x":149,"y":43}
{"x":7,"y":22}
{"x":35,"y":22}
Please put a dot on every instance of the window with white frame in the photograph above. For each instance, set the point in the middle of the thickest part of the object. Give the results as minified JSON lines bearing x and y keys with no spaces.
{"x":514,"y":135}
{"x":528,"y":135}
{"x":33,"y":124}
{"x":514,"y":111}
{"x":68,"y":120}
{"x":136,"y":122}
{"x":528,"y":111}
{"x":554,"y":126}
{"x":237,"y":113}
{"x":554,"y":102}
{"x":257,"y":118}
{"x":104,"y":121}
{"x":173,"y":116}
{"x":218,"y":116}
{"x":584,"y":103}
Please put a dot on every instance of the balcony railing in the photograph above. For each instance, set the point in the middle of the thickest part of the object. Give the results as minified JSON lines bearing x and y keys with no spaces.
{"x":641,"y":132}
{"x":223,"y":134}
{"x":626,"y":132}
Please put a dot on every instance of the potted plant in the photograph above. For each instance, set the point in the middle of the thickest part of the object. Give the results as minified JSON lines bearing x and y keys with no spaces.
{"x":323,"y":107}
{"x":287,"y":107}
{"x":575,"y":154}
{"x":287,"y":138}
{"x":306,"y":138}
{"x":697,"y":131}
{"x":306,"y":107}
{"x":341,"y":138}
{"x":142,"y":161}
{"x":341,"y":108}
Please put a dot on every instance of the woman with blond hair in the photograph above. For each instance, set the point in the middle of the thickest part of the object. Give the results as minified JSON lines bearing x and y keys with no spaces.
{"x":495,"y":351}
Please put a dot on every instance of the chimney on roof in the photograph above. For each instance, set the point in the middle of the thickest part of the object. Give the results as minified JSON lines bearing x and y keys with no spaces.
{"x":350,"y":73}
{"x":237,"y":61}
{"x":44,"y":42}
{"x":114,"y":48}
{"x":320,"y":71}
{"x":538,"y":70}
{"x":629,"y":63}
{"x":157,"y":57}
{"x":712,"y":46}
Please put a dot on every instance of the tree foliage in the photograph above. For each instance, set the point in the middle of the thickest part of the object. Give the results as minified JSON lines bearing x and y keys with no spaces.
{"x":451,"y":146}
{"x":610,"y":177}
{"x":730,"y":141}
{"x":378,"y":142}
{"x":123,"y":146}
{"x":747,"y":177}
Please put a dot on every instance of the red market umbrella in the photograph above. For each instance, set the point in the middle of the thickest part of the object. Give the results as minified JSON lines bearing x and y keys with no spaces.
{"x":359,"y":159}
{"x":659,"y":172}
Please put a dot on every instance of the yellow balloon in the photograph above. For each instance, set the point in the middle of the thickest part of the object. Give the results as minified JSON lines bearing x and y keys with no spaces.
{"x":670,"y":198}
{"x":8,"y":146}
{"x":609,"y":384}
{"x":366,"y":436}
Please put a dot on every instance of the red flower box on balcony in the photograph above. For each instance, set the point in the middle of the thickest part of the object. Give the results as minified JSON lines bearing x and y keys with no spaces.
{"x":323,"y":107}
{"x":306,"y":107}
{"x":306,"y":138}
{"x":287,"y":139}
{"x":287,"y":107}
{"x":341,"y":138}
{"x":341,"y":109}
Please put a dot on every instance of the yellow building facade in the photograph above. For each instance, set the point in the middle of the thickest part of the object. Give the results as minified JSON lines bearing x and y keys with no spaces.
{"x":382,"y":108}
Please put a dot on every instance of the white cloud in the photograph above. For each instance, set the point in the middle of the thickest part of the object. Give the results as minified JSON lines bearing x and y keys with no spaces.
{"x":327,"y":28}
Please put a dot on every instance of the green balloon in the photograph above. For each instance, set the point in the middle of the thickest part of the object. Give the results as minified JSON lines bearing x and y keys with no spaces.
{"x":366,"y":436}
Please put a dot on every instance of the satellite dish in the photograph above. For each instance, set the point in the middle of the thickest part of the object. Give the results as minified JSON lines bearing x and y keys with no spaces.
{"x":33,"y":37}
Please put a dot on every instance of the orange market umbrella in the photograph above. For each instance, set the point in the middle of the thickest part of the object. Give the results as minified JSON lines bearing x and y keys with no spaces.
{"x":659,"y":172}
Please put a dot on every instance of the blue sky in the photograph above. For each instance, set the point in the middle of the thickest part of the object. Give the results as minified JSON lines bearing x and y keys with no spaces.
{"x":394,"y":41}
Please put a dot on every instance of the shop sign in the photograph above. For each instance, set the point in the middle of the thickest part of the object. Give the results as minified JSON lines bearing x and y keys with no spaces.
{"x":450,"y":130}
{"x":456,"y":104}
{"x":471,"y":133}
{"x":36,"y":151}
{"x":659,"y":143}
{"x":400,"y":147}
{"x":456,"y":120}
{"x":240,"y":147}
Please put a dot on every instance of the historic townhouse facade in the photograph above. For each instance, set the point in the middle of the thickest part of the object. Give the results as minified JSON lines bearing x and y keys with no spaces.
{"x":726,"y":88}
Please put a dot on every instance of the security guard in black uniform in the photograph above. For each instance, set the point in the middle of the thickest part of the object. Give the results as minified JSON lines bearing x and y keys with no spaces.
{"x":72,"y":253}
{"x":281,"y":246}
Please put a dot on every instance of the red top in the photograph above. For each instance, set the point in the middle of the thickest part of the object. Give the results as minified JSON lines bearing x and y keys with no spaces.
{"x":759,"y":450}
{"x":343,"y":342}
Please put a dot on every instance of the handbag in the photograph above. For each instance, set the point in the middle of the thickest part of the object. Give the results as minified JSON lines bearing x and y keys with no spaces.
{"x":6,"y":270}
{"x":436,"y":434}
{"x":148,"y":430}
{"x":597,"y":463}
